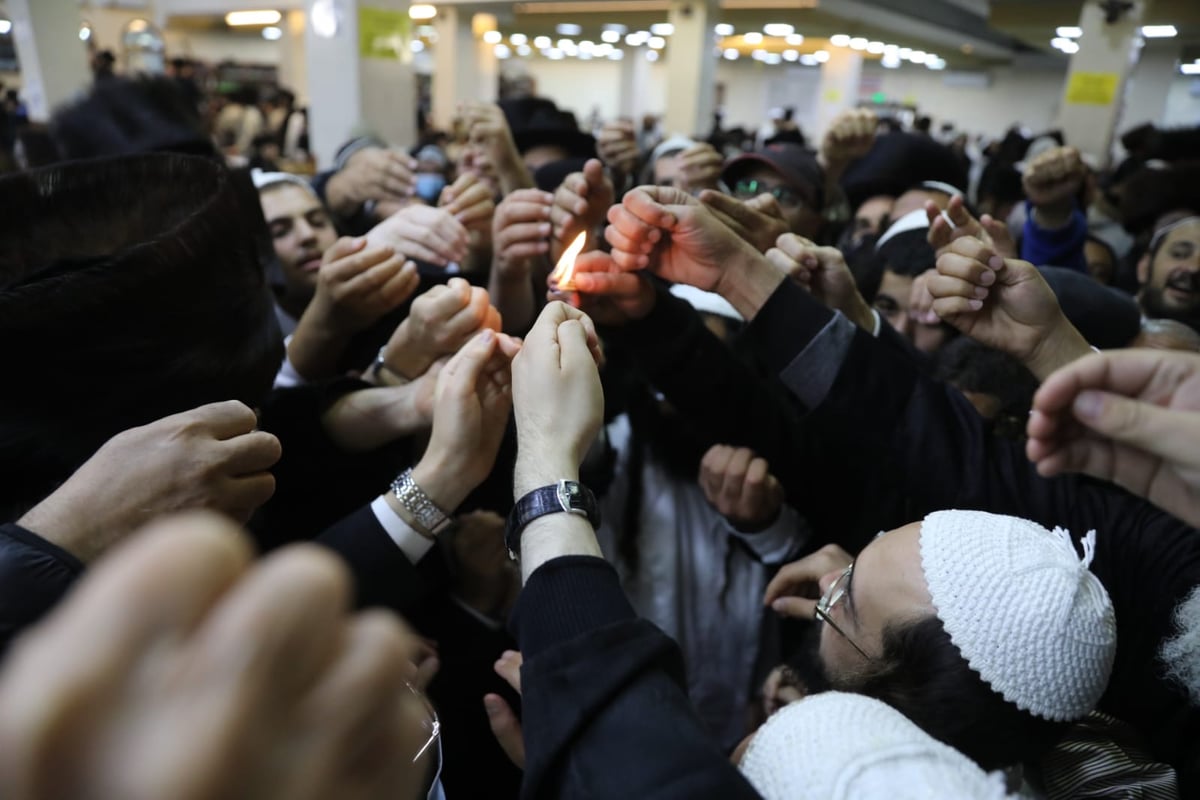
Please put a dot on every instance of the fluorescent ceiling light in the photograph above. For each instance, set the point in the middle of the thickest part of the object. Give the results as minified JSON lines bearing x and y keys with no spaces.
{"x":612,"y":37}
{"x":778,"y":29}
{"x":839,"y":40}
{"x":662,"y":29}
{"x":753,"y":37}
{"x":271,"y":33}
{"x":1068,"y":32}
{"x":235,"y":18}
{"x":875,"y":47}
{"x":794,"y":39}
{"x":519,"y":39}
{"x":656,"y":43}
{"x":821,"y":56}
{"x":493,"y":37}
{"x":422,"y":11}
{"x":5,"y":26}
{"x":1190,"y":69}
{"x":1159,"y":31}
{"x":568,"y":29}
{"x":724,"y":29}
{"x":541,"y":42}
{"x":730,"y":54}
{"x":791,"y":55}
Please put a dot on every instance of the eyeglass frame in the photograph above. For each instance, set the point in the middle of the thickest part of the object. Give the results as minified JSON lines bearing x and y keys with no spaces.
{"x":829,"y":599}
{"x":435,"y":725}
{"x":747,"y":189}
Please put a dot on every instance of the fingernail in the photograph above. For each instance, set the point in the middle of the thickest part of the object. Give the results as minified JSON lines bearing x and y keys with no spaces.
{"x":486,"y":335}
{"x":544,"y":228}
{"x":491,"y":704}
{"x":974,"y":305}
{"x":981,"y":292}
{"x":1089,"y":404}
{"x":987,"y":278}
{"x":778,"y":606}
{"x":995,"y":262}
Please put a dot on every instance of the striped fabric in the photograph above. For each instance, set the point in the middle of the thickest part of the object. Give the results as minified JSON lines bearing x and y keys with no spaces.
{"x":1103,"y":757}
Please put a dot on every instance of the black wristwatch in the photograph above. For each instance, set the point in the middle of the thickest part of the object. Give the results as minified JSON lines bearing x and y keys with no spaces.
{"x":570,"y":497}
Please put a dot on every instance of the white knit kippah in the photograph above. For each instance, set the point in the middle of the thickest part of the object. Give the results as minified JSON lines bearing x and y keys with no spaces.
{"x":831,"y":746}
{"x":1022,"y":608}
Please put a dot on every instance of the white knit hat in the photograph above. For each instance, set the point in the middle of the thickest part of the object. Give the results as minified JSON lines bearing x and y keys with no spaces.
{"x":833,"y":745}
{"x":1022,"y":608}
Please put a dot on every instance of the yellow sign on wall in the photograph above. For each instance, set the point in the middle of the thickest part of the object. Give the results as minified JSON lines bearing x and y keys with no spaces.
{"x":382,"y":33}
{"x":1092,"y":88}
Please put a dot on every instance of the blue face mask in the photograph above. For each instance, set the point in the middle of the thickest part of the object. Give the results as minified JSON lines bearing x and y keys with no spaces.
{"x":430,"y":185}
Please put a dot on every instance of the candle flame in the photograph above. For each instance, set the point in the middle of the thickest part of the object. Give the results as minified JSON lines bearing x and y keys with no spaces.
{"x":564,"y":270}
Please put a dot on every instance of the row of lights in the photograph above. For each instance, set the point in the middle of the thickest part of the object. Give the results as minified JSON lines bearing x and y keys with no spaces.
{"x":892,"y":55}
{"x":1066,"y":36}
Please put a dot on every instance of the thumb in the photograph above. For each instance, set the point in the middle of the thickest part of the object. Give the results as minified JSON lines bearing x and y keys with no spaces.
{"x":1144,"y":426}
{"x":573,"y":344}
{"x":345,"y":246}
{"x":797,"y":607}
{"x":726,"y":204}
{"x":506,"y":728}
{"x":464,"y":369}
{"x":593,"y":172}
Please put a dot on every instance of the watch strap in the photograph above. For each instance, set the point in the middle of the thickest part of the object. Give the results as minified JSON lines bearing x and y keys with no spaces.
{"x":569,"y":497}
{"x":424,"y":515}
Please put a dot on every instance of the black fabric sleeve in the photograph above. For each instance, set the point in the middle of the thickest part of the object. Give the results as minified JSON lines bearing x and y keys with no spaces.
{"x":605,"y":711}
{"x":34,"y":575}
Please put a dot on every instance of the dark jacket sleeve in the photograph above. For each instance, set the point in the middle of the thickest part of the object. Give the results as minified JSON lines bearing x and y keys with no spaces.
{"x":383,"y":575}
{"x":34,"y":576}
{"x":605,"y":711}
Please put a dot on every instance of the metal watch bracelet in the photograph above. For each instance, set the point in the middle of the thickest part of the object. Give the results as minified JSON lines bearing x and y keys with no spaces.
{"x":428,"y":519}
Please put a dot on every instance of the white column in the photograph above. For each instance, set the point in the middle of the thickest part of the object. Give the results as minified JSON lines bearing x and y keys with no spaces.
{"x":54,"y":65}
{"x":1093,"y":95}
{"x":293,"y":66}
{"x":838,"y":90}
{"x":352,"y":90}
{"x":691,"y":65}
{"x":465,"y":67}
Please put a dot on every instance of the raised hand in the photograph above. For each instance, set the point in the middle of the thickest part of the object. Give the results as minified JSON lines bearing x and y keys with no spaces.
{"x":580,"y":204}
{"x":208,"y":677}
{"x":961,"y":223}
{"x":850,"y":137}
{"x":740,"y":486}
{"x":1005,"y":304}
{"x":423,"y":233}
{"x":699,"y":168}
{"x":1053,"y":179}
{"x":1127,"y":416}
{"x":469,"y":200}
{"x":759,"y":220}
{"x":609,"y":295}
{"x":618,"y":148}
{"x":521,"y":231}
{"x":473,"y":402}
{"x":824,"y":273}
{"x":440,"y":321}
{"x":373,"y":173}
{"x":794,"y":590}
{"x":557,"y":399}
{"x":496,"y":151}
{"x":212,"y":457}
{"x":668,"y":231}
{"x":358,"y":283}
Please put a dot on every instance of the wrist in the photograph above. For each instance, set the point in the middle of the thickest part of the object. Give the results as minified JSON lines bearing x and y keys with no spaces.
{"x":442,"y":482}
{"x":530,"y":474}
{"x":1060,"y":347}
{"x":749,"y":282}
{"x":555,"y":536}
{"x":341,"y":202}
{"x":402,"y":358}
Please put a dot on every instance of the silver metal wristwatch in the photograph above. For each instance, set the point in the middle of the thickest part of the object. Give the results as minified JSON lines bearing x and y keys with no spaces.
{"x":430,"y":520}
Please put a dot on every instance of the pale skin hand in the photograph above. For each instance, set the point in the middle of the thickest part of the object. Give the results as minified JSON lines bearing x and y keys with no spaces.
{"x":700,"y":168}
{"x":1005,"y":304}
{"x":740,"y":486}
{"x":850,"y":137}
{"x":794,"y":590}
{"x":490,"y":136}
{"x":212,"y":457}
{"x":609,"y":295}
{"x":1127,"y":416}
{"x":372,"y":173}
{"x":440,"y":321}
{"x":617,"y":147}
{"x":580,"y":204}
{"x":521,"y":239}
{"x":424,"y":233}
{"x":559,"y":407}
{"x":824,"y":273}
{"x":370,"y":418}
{"x":356,"y":286}
{"x":760,"y":220}
{"x":469,"y":200}
{"x":988,"y":230}
{"x":474,"y":398}
{"x":1051,"y":181}
{"x":210,"y":677}
{"x":504,"y":723}
{"x":668,"y":231}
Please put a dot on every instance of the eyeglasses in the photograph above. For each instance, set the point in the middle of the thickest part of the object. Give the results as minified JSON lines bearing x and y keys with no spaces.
{"x":429,"y":721}
{"x":747,"y":189}
{"x":836,"y":591}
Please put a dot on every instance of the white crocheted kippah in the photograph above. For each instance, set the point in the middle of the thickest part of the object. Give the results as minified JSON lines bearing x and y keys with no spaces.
{"x":1022,"y":608}
{"x":831,"y":746}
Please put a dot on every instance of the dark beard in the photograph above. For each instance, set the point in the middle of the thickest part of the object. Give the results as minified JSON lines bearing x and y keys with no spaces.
{"x":1155,"y":307}
{"x":806,"y":671}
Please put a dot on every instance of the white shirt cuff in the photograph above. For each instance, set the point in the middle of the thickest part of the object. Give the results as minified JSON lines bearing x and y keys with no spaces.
{"x":287,"y":376}
{"x":875,"y":331}
{"x":412,"y":544}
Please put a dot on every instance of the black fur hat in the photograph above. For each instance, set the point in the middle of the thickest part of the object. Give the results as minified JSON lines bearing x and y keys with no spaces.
{"x":130,"y":289}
